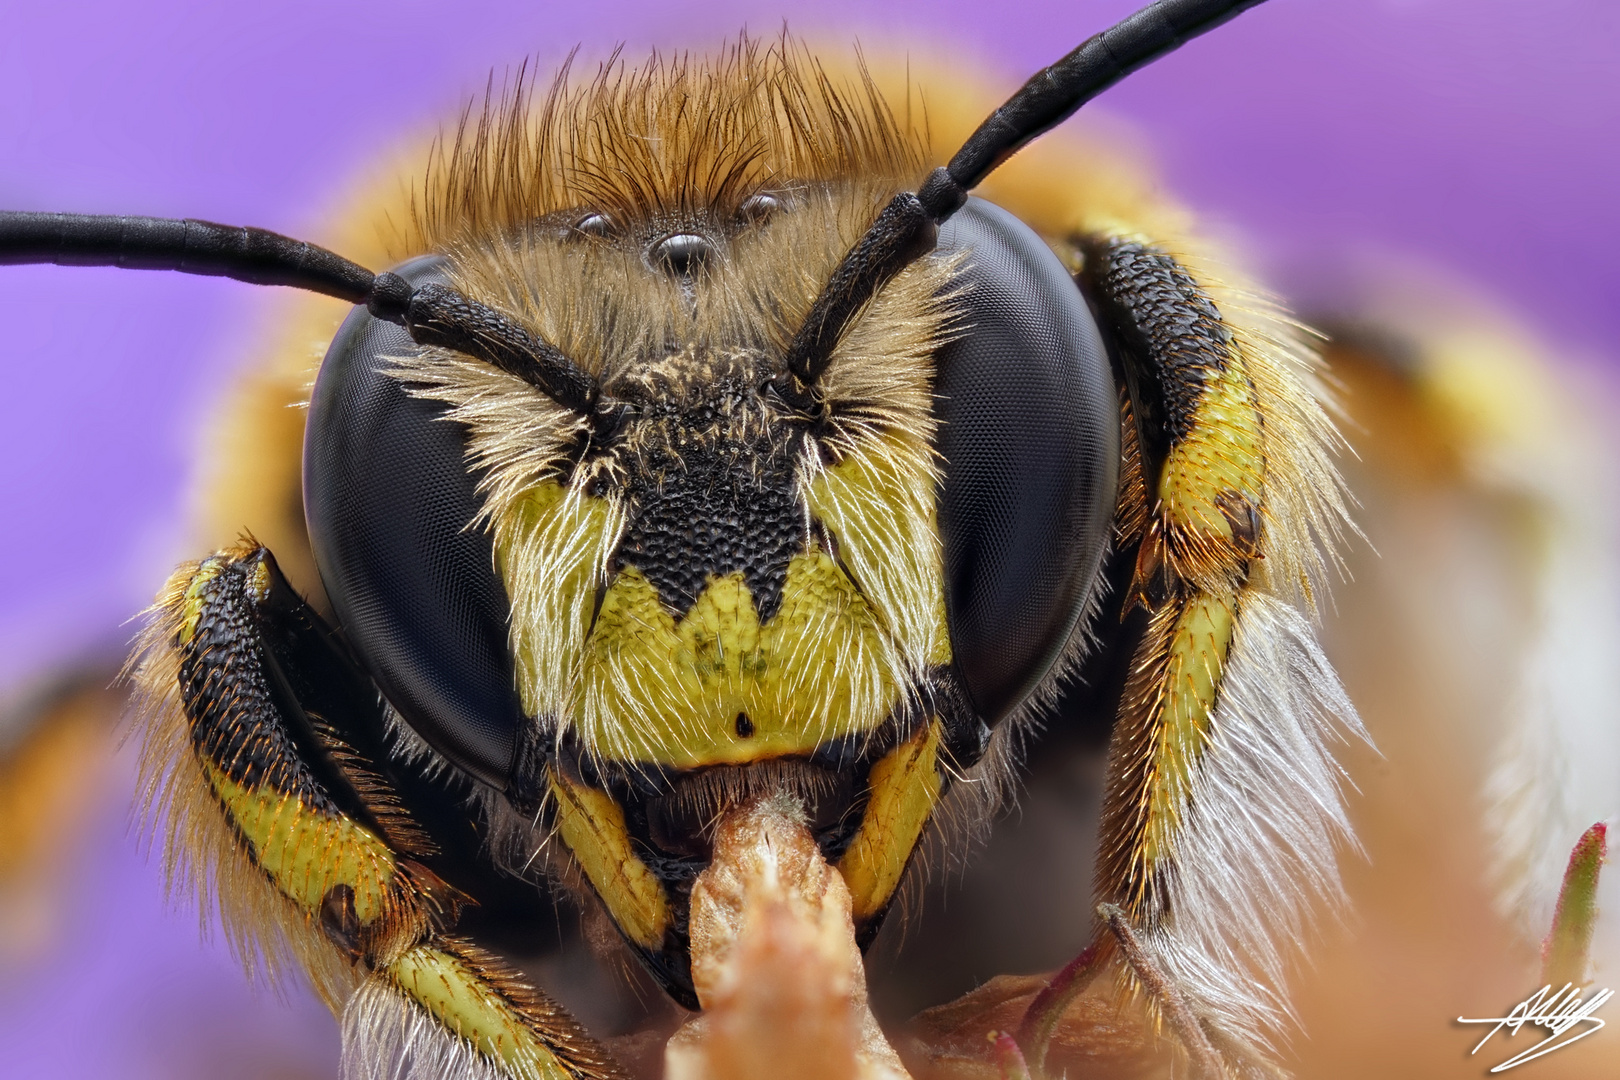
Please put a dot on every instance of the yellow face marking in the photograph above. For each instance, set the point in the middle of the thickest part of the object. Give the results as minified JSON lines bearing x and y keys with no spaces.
{"x":637,"y":684}
{"x":306,"y":852}
{"x":671,"y":693}
{"x":879,"y":504}
{"x":905,"y":787}
{"x":592,"y":825}
{"x":550,"y":550}
{"x":456,"y":997}
{"x":1198,"y":647}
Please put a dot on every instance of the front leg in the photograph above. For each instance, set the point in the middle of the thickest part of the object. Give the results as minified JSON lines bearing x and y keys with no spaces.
{"x":306,"y":845}
{"x":1222,"y":806}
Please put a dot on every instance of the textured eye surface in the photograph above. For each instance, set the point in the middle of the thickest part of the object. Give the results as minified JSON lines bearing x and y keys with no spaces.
{"x":1029,"y":435}
{"x":389,"y":498}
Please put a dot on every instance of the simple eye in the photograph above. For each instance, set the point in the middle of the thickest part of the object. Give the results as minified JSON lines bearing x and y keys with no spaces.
{"x":758,"y":209}
{"x":388,"y":498}
{"x":596,"y":225}
{"x":1029,"y":435}
{"x":683,"y":254}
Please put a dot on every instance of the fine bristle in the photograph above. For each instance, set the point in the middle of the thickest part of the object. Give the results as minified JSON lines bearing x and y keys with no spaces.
{"x":201,"y":853}
{"x":755,"y":117}
{"x":1266,"y":820}
{"x":683,"y":139}
{"x":677,"y":134}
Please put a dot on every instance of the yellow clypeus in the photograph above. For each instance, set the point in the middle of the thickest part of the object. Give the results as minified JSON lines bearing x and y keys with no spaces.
{"x":719,"y":687}
{"x":715,"y":684}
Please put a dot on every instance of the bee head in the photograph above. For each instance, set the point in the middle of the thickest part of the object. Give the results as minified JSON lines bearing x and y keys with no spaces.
{"x":709,"y":568}
{"x":712,"y":444}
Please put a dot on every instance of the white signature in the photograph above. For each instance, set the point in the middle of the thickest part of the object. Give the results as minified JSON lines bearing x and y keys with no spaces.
{"x":1557,"y":1012}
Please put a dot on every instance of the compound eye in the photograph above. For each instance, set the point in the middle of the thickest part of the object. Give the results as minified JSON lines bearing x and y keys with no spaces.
{"x":388,"y":499}
{"x":1029,"y":436}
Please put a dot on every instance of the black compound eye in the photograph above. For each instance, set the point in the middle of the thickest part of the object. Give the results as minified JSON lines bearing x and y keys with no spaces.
{"x":388,"y":498}
{"x":1029,"y":434}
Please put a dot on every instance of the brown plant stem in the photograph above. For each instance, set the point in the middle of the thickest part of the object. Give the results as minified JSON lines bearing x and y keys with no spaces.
{"x":1177,"y":1013}
{"x":1041,"y":1018}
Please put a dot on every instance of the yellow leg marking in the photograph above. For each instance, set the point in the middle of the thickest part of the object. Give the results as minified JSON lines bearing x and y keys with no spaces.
{"x":592,"y":825}
{"x":905,"y":787}
{"x":305,"y":852}
{"x":458,"y":997}
{"x":191,"y":602}
{"x":1221,"y":453}
{"x":1192,"y":679}
{"x":1211,"y":488}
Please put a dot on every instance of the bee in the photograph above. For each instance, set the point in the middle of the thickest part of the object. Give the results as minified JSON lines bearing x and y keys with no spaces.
{"x":709,"y":441}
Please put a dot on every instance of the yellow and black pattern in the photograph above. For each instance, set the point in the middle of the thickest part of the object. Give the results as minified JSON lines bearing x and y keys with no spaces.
{"x":793,"y":608}
{"x":1197,"y":428}
{"x":1197,"y":461}
{"x":903,"y":789}
{"x":1222,"y":806}
{"x":500,"y":1027}
{"x":715,"y":584}
{"x":311,"y":855}
{"x":712,"y":594}
{"x":641,"y":843}
{"x":709,"y":582}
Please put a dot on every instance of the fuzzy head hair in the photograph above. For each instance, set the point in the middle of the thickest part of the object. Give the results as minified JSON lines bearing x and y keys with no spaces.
{"x":714,"y":580}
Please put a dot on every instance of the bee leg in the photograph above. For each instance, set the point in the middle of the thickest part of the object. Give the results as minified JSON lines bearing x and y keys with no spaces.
{"x":1222,"y":805}
{"x":1195,"y":439}
{"x":313,"y":857}
{"x":1172,"y":1002}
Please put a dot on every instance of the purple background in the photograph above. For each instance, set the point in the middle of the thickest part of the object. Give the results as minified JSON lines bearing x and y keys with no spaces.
{"x":1479,"y":135}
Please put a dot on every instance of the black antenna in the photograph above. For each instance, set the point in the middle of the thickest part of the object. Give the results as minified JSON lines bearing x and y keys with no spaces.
{"x":433,"y":314}
{"x":908,"y":227}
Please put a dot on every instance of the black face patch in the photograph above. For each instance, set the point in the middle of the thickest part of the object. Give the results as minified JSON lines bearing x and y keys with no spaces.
{"x":709,"y":485}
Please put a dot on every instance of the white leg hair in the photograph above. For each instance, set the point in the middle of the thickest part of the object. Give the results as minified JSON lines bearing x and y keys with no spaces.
{"x":1257,"y":853}
{"x":386,"y":1036}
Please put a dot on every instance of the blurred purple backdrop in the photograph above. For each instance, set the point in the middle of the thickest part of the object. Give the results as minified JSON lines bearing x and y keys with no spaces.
{"x":1479,"y":135}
